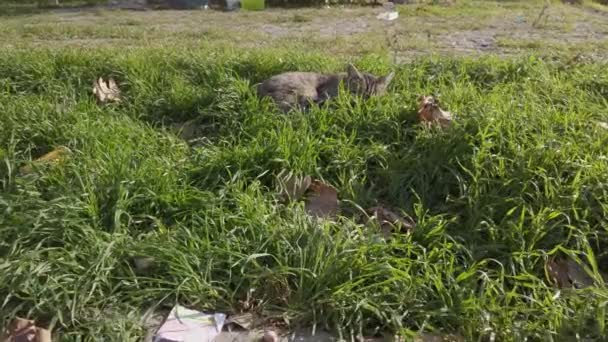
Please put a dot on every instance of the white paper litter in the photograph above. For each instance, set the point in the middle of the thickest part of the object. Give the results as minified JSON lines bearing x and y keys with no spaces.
{"x":388,"y":15}
{"x":185,"y":325}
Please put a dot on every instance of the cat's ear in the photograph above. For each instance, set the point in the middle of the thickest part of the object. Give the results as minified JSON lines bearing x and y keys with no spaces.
{"x":386,"y":80}
{"x":353,"y":72}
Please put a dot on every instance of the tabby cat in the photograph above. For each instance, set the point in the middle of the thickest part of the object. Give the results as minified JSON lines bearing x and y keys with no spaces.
{"x":300,"y":89}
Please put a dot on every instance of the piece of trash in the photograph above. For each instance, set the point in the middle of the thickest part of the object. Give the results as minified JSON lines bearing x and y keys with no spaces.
{"x":566,"y":273}
{"x":185,"y":325}
{"x":244,"y":321}
{"x":322,"y":200}
{"x":53,"y":157}
{"x":430,"y":112}
{"x":390,"y":221}
{"x":602,"y":124}
{"x":388,"y":16}
{"x":270,"y":336}
{"x":292,"y":187}
{"x":25,"y":330}
{"x":106,"y":91}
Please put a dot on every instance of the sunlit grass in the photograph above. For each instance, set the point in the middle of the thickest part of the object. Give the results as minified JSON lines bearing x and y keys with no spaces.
{"x":520,"y":173}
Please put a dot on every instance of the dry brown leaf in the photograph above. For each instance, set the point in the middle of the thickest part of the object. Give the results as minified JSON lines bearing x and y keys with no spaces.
{"x":322,"y":200}
{"x":390,"y":221}
{"x":106,"y":91}
{"x":566,"y":273}
{"x":53,"y":157}
{"x":292,"y":187}
{"x":558,"y":273}
{"x":430,"y":112}
{"x":578,"y":276}
{"x":24,"y":330}
{"x":245,"y":320}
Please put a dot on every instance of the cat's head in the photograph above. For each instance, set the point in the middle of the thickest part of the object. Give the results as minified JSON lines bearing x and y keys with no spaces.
{"x":365,"y":84}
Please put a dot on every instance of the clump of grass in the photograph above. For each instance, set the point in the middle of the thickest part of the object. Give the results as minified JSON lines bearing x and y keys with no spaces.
{"x":520,"y":174}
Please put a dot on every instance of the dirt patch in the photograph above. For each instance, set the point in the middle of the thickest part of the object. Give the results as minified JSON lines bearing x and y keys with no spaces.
{"x":503,"y":31}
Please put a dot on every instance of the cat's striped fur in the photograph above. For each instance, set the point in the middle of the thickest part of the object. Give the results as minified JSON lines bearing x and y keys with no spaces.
{"x":300,"y":89}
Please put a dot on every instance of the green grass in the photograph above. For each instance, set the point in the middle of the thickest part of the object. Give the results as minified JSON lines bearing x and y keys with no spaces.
{"x":519,"y":176}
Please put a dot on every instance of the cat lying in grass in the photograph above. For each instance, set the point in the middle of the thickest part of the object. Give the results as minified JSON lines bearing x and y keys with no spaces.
{"x":291,"y":90}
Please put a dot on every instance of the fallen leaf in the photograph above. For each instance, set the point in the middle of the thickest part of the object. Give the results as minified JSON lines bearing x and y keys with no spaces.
{"x":566,"y":273}
{"x":430,"y":112}
{"x":106,"y":91}
{"x":390,"y":221}
{"x":578,"y":276}
{"x":53,"y":157}
{"x":322,"y":200}
{"x":24,"y":330}
{"x":292,"y":187}
{"x":245,"y":321}
{"x":558,"y":273}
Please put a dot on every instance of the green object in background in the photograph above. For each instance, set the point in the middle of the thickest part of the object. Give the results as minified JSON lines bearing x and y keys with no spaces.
{"x":252,"y":5}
